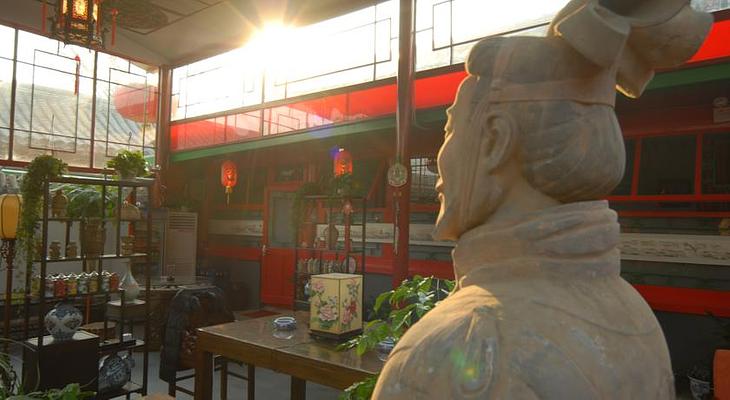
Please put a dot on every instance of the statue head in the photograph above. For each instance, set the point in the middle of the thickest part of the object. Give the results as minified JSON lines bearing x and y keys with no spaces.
{"x":535,"y":117}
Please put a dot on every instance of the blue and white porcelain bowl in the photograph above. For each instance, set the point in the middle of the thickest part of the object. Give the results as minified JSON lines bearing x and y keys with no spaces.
{"x":63,"y":321}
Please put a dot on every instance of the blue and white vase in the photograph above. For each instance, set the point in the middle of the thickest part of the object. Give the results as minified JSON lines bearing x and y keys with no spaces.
{"x":115,"y":372}
{"x":63,"y":321}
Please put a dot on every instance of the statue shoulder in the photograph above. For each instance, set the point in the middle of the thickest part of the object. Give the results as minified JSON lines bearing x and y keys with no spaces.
{"x":448,"y":354}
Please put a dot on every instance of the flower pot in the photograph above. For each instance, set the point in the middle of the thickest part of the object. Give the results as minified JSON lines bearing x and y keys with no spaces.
{"x":93,"y":236}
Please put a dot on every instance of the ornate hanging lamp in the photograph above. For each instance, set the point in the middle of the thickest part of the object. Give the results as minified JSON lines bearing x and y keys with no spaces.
{"x":229,"y":177}
{"x":77,"y":22}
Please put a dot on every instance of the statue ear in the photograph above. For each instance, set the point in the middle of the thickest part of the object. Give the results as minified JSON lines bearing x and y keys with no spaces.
{"x":495,"y":146}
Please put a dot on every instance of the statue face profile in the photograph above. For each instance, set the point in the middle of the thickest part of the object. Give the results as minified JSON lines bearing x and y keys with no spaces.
{"x":453,"y":167}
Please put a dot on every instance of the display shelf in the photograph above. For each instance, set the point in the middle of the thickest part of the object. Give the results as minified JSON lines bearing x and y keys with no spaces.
{"x":142,"y":252}
{"x":113,"y":219}
{"x":128,"y":388}
{"x":36,"y":298}
{"x":329,"y":211}
{"x":101,"y":257}
{"x":112,"y":346}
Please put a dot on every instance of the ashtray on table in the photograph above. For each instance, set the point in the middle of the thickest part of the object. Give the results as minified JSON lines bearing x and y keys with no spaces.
{"x":284,"y":327}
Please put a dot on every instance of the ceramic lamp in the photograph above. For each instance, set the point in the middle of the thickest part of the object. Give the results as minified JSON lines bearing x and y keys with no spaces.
{"x":336,"y":305}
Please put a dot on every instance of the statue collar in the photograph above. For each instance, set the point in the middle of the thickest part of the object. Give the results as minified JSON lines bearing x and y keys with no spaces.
{"x":570,"y":240}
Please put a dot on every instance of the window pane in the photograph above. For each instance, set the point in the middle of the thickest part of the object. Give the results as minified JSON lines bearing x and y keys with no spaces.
{"x":7,"y":41}
{"x":126,"y":107}
{"x":716,"y":163}
{"x":423,"y":180}
{"x":624,"y":187}
{"x":710,"y":5}
{"x":667,"y":165}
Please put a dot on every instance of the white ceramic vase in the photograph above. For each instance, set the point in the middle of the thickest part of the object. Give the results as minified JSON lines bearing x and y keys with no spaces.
{"x":129,"y":284}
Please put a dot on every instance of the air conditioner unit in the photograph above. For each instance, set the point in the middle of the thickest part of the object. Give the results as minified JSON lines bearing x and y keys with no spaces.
{"x":180,"y":244}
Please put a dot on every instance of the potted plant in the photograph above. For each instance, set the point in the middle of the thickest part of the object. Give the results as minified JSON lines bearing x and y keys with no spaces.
{"x":399,"y":308}
{"x":39,"y":171}
{"x":128,"y":164}
{"x":86,"y":204}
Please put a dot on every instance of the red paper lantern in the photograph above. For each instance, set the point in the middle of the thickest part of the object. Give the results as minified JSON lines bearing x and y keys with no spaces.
{"x":136,"y":102}
{"x":342,"y":163}
{"x":229,"y":177}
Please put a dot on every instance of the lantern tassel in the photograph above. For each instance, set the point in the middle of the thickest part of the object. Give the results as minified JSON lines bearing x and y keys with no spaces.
{"x":43,"y":16}
{"x":229,"y":190}
{"x":78,"y":73}
{"x":114,"y":25}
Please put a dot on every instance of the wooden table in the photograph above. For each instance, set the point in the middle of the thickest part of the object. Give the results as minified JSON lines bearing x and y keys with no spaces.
{"x":302,"y":357}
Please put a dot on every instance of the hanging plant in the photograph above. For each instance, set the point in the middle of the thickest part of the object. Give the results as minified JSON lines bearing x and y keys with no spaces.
{"x":128,"y":164}
{"x":39,"y":171}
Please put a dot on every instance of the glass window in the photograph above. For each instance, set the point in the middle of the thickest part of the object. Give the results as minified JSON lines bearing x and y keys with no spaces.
{"x":423,"y":180}
{"x":667,"y":165}
{"x":53,"y":100}
{"x":716,"y":163}
{"x":354,"y":48}
{"x":55,"y":96}
{"x":710,"y":5}
{"x":624,"y":187}
{"x":126,"y":108}
{"x":447,"y":29}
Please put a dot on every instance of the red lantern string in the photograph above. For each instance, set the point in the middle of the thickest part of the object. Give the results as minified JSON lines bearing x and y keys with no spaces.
{"x":43,"y":16}
{"x":114,"y":25}
{"x":78,"y":73}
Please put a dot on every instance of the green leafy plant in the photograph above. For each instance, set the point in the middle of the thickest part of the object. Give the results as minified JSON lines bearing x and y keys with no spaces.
{"x":128,"y":163}
{"x":39,"y":171}
{"x":85,"y":201}
{"x":407,"y":304}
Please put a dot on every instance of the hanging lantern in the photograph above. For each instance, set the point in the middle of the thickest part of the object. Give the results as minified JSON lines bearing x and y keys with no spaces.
{"x":342,"y":163}
{"x":78,"y":22}
{"x":229,"y":177}
{"x":9,"y":215}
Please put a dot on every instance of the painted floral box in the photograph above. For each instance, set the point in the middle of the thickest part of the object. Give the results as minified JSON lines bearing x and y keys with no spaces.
{"x":335,"y":305}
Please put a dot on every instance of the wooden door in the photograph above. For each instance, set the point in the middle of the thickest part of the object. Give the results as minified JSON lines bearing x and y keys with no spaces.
{"x":277,"y":259}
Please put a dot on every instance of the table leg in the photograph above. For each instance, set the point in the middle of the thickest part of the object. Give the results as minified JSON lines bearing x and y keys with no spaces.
{"x":298,"y":389}
{"x":203,"y":375}
{"x":251,"y":382}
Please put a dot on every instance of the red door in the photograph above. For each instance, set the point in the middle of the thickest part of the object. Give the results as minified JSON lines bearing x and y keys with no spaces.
{"x":277,"y":258}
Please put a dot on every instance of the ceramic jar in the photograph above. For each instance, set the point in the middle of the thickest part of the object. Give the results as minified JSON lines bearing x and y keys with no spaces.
{"x":93,"y":282}
{"x":59,"y":202}
{"x":72,"y":284}
{"x":72,"y":250}
{"x":115,"y":372}
{"x":54,"y":250}
{"x":63,"y":321}
{"x":105,"y":280}
{"x":59,"y":286}
{"x":114,"y":282}
{"x":83,"y":284}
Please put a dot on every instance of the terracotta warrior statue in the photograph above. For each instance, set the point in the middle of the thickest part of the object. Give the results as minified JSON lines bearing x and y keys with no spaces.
{"x":532,"y":144}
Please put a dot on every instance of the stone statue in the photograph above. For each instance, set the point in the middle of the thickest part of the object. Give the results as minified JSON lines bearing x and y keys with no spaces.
{"x":532,"y":143}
